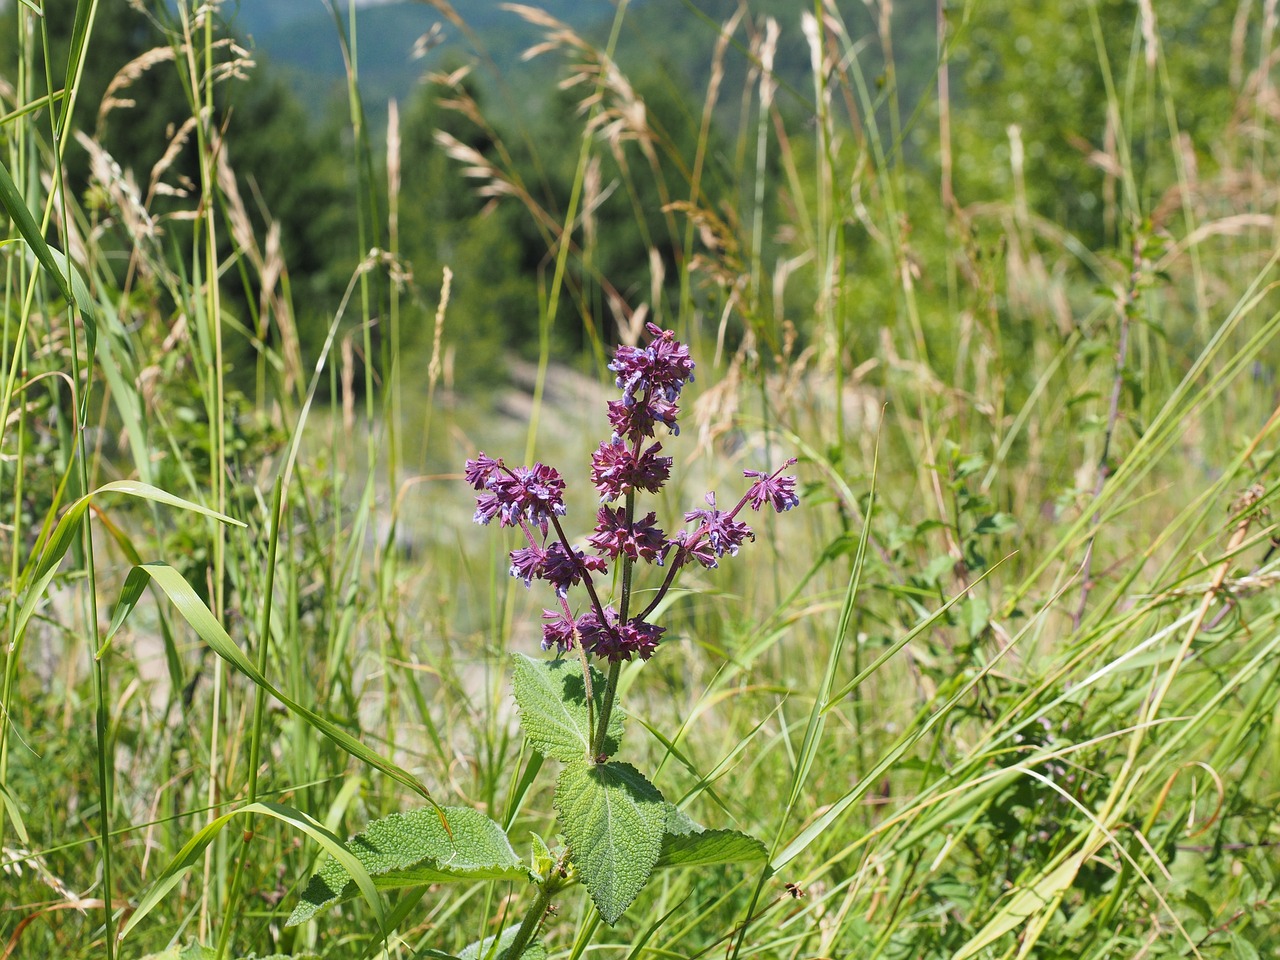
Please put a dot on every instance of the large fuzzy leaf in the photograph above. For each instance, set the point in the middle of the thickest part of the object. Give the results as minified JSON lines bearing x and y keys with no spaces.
{"x":688,"y":844}
{"x":614,"y":820}
{"x":414,"y":849}
{"x":708,"y":848}
{"x":552,"y":698}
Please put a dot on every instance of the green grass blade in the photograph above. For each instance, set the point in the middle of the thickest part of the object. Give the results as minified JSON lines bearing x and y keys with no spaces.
{"x":16,"y":207}
{"x":193,"y":850}
{"x":64,"y":534}
{"x":193,"y":610}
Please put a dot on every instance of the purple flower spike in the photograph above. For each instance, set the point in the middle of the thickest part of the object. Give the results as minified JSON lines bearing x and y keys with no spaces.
{"x":613,"y":642}
{"x":479,"y":470}
{"x":663,"y":367}
{"x":535,"y":493}
{"x":672,"y":367}
{"x":562,"y":571}
{"x":528,"y":564}
{"x":780,"y":491}
{"x":615,"y":470}
{"x":642,"y":540}
{"x":487,"y":507}
{"x":700,"y":549}
{"x":632,"y":419}
{"x":651,"y":379}
{"x":641,"y":638}
{"x":557,"y":630}
{"x":724,"y":533}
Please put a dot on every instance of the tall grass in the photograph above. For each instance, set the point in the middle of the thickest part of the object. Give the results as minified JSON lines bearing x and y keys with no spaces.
{"x":1005,"y":686}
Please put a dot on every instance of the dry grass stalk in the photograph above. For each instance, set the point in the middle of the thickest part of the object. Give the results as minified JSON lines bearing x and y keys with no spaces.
{"x":268,"y":263}
{"x":428,"y":41}
{"x":16,"y":858}
{"x":477,"y":166}
{"x":768,"y":51}
{"x":716,"y":410}
{"x":592,"y":197}
{"x":122,"y":191}
{"x":393,"y":167}
{"x":435,"y":365}
{"x":176,"y":142}
{"x":622,"y":115}
{"x":1150,"y":36}
{"x":709,"y":103}
{"x":125,"y":77}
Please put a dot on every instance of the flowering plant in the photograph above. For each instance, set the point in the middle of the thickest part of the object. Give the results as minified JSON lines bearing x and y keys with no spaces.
{"x":616,"y":826}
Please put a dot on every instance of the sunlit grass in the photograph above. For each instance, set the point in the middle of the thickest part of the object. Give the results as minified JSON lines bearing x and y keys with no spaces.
{"x":1005,"y":682}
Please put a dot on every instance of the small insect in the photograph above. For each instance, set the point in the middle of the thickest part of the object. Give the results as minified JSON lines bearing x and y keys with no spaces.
{"x":796,"y":891}
{"x":1247,"y":499}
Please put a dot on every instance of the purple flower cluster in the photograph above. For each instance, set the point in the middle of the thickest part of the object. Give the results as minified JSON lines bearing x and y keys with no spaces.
{"x":534,"y":494}
{"x":532,"y":499}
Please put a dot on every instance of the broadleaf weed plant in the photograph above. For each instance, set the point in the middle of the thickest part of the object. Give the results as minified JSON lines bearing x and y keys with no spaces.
{"x":616,"y":826}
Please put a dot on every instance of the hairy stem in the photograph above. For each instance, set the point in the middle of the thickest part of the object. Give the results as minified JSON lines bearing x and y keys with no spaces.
{"x":533,"y":919}
{"x":606,"y":708}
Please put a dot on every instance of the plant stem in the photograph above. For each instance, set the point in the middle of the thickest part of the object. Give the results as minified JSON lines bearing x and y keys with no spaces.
{"x":627,"y":562}
{"x":606,"y":708}
{"x":586,"y":575}
{"x":595,"y":599}
{"x":532,"y":919}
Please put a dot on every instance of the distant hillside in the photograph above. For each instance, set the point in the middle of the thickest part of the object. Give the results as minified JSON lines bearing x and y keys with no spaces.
{"x":298,"y":39}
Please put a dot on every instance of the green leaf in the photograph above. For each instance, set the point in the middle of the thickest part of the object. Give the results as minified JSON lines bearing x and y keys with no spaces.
{"x":614,"y":820}
{"x":552,"y":698}
{"x":541,"y":861}
{"x":202,"y":620}
{"x":412,"y":850}
{"x":710,"y":847}
{"x":977,"y":614}
{"x":689,"y":844}
{"x":1200,"y":905}
{"x":996,"y":523}
{"x":679,"y":823}
{"x":1241,"y":948}
{"x":9,"y":803}
{"x":84,"y":303}
{"x":484,"y":949}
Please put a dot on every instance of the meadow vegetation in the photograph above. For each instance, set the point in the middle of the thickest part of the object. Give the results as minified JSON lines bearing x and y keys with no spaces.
{"x":1001,"y":275}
